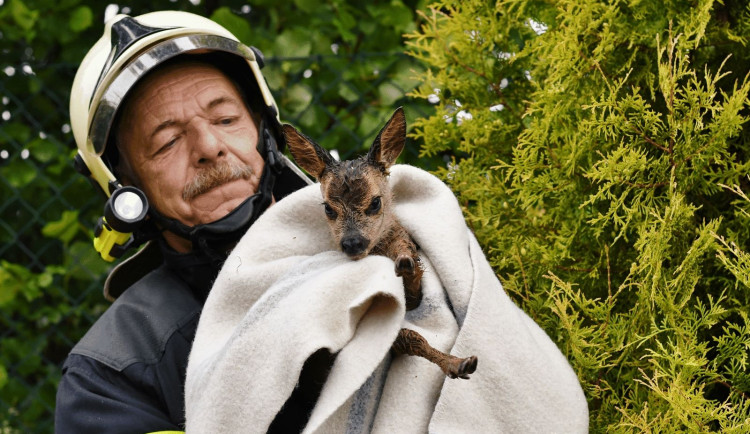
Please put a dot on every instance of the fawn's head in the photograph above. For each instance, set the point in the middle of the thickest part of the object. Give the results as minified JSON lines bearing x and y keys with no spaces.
{"x":356,"y":195}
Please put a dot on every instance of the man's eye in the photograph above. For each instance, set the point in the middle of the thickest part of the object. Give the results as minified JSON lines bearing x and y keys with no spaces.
{"x":330,"y":213}
{"x":374,"y":206}
{"x":168,"y":145}
{"x":226,"y":121}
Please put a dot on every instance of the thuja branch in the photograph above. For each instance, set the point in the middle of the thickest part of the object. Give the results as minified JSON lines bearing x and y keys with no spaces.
{"x":640,"y":185}
{"x":731,"y":388}
{"x":495,"y":87}
{"x":523,"y":271}
{"x":651,"y":141}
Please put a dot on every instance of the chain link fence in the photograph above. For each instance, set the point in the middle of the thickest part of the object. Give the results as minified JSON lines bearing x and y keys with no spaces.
{"x":51,"y":278}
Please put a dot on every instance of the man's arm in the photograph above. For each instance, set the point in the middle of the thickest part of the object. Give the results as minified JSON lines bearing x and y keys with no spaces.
{"x":93,"y":398}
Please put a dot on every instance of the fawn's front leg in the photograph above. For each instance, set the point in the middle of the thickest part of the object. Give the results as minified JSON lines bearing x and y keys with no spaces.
{"x":412,"y":343}
{"x":411,"y":273}
{"x":403,"y":251}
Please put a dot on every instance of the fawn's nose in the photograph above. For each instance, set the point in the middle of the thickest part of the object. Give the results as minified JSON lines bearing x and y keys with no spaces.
{"x":354,"y":245}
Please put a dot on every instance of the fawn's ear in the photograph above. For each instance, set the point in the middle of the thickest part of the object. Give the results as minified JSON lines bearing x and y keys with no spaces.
{"x":308,"y":154}
{"x":390,"y":141}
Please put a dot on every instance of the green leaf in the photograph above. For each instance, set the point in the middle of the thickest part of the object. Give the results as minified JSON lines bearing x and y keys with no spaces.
{"x":345,"y":19}
{"x":369,"y":27}
{"x":62,"y":163}
{"x":18,"y":173}
{"x":23,"y":16}
{"x":294,"y":42}
{"x":35,"y":85}
{"x":389,"y":93}
{"x":344,"y":22}
{"x":45,"y":280}
{"x":405,"y":76}
{"x":14,"y":279}
{"x":309,"y":6}
{"x":43,"y":150}
{"x":312,"y":119}
{"x":3,"y":376}
{"x":298,"y":98}
{"x":86,"y":264}
{"x":8,"y":291}
{"x":18,"y":132}
{"x":399,"y":16}
{"x":63,"y":229}
{"x":346,"y":92}
{"x":81,"y":19}
{"x":370,"y":124}
{"x":275,"y":78}
{"x":238,"y":26}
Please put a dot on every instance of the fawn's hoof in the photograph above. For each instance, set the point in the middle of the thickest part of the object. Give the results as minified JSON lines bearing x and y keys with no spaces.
{"x":463,"y":367}
{"x":404,"y":265}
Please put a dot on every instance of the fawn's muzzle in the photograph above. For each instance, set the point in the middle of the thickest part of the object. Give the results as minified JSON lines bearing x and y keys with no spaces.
{"x":354,"y":245}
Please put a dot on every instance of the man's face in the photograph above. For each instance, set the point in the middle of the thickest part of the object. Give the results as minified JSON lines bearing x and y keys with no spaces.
{"x":182,"y":125}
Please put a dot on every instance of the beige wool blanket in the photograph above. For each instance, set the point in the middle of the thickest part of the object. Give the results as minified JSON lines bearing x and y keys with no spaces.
{"x":285,"y":292}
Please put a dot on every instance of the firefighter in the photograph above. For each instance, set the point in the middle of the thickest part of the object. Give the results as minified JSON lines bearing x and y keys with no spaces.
{"x":175,"y":125}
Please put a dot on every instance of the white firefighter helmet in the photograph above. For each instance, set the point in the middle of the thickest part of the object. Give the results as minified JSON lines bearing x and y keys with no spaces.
{"x":129,"y":48}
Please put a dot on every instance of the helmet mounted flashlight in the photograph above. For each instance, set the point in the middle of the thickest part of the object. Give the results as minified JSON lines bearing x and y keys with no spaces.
{"x":124,"y":212}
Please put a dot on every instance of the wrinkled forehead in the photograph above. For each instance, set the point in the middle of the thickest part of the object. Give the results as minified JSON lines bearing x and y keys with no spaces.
{"x":179,"y":76}
{"x":354,"y":183}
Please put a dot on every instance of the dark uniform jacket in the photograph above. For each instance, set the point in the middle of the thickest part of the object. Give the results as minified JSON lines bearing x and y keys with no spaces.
{"x":127,"y":374}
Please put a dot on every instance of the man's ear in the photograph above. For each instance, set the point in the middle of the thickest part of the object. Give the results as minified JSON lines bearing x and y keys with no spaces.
{"x":308,"y":154}
{"x":390,"y":141}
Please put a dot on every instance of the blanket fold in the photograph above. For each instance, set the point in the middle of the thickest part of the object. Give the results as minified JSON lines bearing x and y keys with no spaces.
{"x":285,"y":292}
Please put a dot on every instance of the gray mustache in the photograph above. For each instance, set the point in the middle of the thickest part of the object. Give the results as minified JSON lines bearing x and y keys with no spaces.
{"x":214,"y":176}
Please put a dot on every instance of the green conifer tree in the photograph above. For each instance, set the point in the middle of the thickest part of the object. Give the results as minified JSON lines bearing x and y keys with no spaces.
{"x":600,"y":150}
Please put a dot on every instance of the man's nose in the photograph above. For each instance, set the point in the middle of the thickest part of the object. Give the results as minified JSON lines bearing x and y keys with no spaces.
{"x":208,"y":145}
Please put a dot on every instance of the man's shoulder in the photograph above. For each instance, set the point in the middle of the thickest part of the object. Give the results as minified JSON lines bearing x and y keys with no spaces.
{"x":137,"y":326}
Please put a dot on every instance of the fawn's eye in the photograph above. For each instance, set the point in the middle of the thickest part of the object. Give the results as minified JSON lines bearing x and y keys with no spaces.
{"x":330,"y":213}
{"x":374,"y":206}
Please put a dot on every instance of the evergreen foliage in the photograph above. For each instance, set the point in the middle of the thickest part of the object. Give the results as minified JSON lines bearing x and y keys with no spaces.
{"x":600,"y":151}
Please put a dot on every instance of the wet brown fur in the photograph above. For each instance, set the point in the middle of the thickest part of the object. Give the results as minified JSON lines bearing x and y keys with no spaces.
{"x":349,"y":189}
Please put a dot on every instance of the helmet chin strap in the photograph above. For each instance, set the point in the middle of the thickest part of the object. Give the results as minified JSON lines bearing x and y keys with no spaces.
{"x":214,"y":240}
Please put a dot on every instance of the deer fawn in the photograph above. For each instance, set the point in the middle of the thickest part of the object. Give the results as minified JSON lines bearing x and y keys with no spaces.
{"x":358,"y":207}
